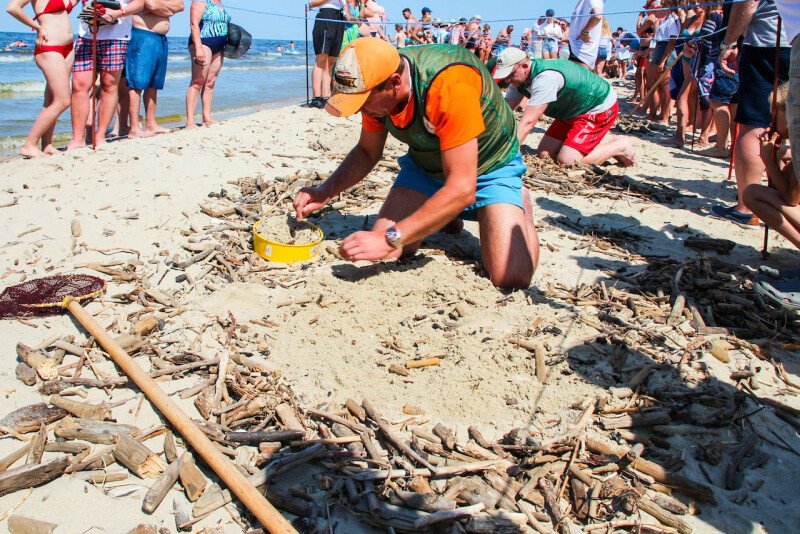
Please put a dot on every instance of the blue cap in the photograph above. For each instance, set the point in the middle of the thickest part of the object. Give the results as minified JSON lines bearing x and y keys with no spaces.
{"x":550,"y":13}
{"x":426,"y":10}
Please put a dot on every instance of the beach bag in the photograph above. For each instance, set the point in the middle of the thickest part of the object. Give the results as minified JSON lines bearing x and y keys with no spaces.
{"x":239,"y":42}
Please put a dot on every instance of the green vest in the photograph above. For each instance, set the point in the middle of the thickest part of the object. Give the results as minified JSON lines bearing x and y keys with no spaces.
{"x":583,"y":89}
{"x":497,"y":145}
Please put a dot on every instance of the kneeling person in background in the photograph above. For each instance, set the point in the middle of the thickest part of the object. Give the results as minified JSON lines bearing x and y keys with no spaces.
{"x":582,"y":103}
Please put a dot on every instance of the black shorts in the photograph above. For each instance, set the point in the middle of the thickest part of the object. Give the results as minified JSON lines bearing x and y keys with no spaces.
{"x":756,"y":78}
{"x":328,"y":32}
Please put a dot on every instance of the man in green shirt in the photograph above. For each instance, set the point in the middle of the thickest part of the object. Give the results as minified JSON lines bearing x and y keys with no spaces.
{"x":582,"y":103}
{"x":463,"y":155}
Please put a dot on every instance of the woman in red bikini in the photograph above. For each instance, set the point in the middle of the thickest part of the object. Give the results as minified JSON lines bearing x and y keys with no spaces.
{"x":53,"y":55}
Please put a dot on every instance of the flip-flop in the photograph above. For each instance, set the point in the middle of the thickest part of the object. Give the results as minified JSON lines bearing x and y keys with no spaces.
{"x":784,"y":293}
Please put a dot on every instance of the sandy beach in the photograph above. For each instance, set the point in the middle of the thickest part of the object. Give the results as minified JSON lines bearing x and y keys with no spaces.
{"x":332,"y":329}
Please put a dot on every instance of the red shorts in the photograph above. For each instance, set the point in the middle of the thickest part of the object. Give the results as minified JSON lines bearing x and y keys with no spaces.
{"x":584,"y":132}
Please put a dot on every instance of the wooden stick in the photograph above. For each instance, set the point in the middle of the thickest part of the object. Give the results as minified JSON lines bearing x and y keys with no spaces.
{"x":259,"y":437}
{"x":664,"y":516}
{"x":396,"y":441}
{"x":155,"y":495}
{"x":448,"y":515}
{"x":192,"y":479}
{"x":140,"y":460}
{"x":9,"y":460}
{"x":250,"y":497}
{"x":551,"y":498}
{"x":122,"y":380}
{"x":31,"y":475}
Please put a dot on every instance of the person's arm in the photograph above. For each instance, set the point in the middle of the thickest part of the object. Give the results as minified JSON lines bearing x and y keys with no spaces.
{"x":513,"y":97}
{"x":195,"y":15}
{"x":133,"y":7}
{"x":741,"y":15}
{"x":528,"y":121}
{"x":668,"y":52}
{"x":783,"y":180}
{"x":355,"y":167}
{"x":316,"y":3}
{"x":15,"y":9}
{"x":162,"y":8}
{"x":594,"y":20}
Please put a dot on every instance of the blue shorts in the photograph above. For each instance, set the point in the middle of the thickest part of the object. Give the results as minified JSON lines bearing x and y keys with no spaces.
{"x":550,"y":44}
{"x":503,"y":186}
{"x":725,"y":88}
{"x":146,"y":62}
{"x":602,"y":53}
{"x":658,"y":54}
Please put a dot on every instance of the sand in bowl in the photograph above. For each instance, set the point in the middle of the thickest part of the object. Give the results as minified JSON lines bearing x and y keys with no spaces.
{"x":288,"y":230}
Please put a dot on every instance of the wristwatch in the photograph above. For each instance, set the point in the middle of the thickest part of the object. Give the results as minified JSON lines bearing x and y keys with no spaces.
{"x":723,"y":47}
{"x":393,"y":237}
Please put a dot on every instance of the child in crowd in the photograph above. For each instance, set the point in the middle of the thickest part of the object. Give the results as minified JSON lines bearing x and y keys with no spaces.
{"x":777,"y":204}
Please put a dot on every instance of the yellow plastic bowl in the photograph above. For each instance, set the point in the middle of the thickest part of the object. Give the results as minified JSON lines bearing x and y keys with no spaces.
{"x":281,"y":252}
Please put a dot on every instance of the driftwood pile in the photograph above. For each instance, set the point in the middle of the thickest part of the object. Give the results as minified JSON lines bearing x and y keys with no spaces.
{"x":545,"y":175}
{"x":637,"y":126}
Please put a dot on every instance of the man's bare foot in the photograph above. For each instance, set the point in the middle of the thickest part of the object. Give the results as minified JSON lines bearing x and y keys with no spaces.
{"x":72,"y":145}
{"x":50,"y":150}
{"x":190,"y":125}
{"x":136,"y":134}
{"x":674,"y":142}
{"x":31,"y":152}
{"x":100,"y":140}
{"x":716,"y":152}
{"x":158,"y":130}
{"x":208,"y":121}
{"x":454,"y":227}
{"x":628,"y":157}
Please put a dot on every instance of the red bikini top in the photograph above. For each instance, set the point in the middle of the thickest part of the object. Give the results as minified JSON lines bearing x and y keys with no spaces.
{"x":56,"y":6}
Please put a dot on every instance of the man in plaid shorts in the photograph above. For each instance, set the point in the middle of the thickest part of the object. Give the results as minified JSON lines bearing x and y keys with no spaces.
{"x":112,"y":46}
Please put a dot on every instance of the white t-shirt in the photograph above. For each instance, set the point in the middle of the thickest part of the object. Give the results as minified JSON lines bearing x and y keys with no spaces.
{"x":551,"y":29}
{"x":121,"y":31}
{"x":586,"y":52}
{"x":790,"y":13}
{"x":545,"y":87}
{"x":669,"y":27}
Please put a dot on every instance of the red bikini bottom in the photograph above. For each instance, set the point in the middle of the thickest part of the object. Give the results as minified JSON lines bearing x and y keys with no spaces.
{"x":65,"y":50}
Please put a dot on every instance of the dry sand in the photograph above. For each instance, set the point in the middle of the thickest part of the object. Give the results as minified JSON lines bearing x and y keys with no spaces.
{"x":134,"y":198}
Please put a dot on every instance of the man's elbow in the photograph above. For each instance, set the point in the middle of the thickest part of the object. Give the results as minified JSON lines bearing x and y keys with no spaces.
{"x":464,"y":195}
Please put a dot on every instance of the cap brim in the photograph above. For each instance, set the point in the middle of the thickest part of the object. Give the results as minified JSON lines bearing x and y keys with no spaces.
{"x":501,"y":73}
{"x":346,"y":104}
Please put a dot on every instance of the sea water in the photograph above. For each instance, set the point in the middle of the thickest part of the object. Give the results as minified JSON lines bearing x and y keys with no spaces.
{"x":262,"y":79}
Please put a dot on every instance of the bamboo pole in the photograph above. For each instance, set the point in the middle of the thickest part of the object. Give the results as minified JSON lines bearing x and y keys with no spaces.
{"x":258,"y":505}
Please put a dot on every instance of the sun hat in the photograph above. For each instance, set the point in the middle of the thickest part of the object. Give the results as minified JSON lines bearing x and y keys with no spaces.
{"x":426,"y":10}
{"x":363,"y":65}
{"x":550,"y":13}
{"x":506,"y":61}
{"x":477,"y":17}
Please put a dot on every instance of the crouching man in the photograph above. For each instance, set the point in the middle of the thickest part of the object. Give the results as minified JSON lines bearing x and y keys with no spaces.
{"x":463,"y":156}
{"x":582,"y":103}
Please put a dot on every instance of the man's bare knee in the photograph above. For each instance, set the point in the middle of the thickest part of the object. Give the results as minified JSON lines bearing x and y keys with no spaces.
{"x":511,"y":279}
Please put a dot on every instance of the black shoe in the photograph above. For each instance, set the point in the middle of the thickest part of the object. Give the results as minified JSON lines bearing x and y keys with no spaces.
{"x":314,"y":102}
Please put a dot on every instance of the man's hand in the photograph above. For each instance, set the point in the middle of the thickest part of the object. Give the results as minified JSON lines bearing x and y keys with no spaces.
{"x":769,"y":140}
{"x":308,"y":200}
{"x":585,"y":37}
{"x":728,"y":61}
{"x":369,"y":246}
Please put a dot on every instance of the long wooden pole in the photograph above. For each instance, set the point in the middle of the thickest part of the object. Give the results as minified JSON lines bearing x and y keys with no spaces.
{"x":660,"y":80}
{"x":308,"y":92}
{"x":774,"y":122}
{"x":258,"y":505}
{"x":94,"y":74}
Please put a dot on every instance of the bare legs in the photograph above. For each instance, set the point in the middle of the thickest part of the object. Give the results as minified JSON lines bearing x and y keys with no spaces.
{"x":204,"y":79}
{"x":612,"y":146}
{"x":722,"y":119}
{"x":321,"y":75}
{"x":56,"y":100}
{"x":747,"y":162}
{"x":82,"y":84}
{"x":509,"y":242}
{"x":150,"y":102}
{"x":768,"y":206}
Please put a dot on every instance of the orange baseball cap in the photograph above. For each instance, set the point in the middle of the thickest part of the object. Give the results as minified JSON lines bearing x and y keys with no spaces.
{"x":363,"y":65}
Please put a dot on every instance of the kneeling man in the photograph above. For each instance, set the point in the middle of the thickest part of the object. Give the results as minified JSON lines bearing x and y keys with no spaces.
{"x":582,"y":103}
{"x":463,"y":156}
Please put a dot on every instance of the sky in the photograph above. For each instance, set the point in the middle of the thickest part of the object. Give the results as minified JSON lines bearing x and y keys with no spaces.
{"x":264,"y":26}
